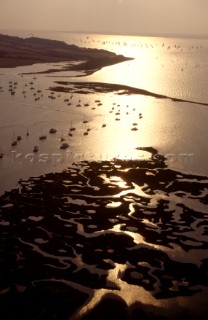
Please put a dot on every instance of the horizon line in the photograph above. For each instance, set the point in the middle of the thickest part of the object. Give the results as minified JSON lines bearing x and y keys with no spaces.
{"x":142,"y":34}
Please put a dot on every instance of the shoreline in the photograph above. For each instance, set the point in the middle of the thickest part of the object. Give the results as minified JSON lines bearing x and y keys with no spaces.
{"x":17,"y":52}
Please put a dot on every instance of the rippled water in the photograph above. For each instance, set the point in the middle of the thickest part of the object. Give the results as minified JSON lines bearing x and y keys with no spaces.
{"x":125,"y":220}
{"x":175,"y":67}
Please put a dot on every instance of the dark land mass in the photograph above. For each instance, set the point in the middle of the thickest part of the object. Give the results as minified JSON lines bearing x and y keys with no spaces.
{"x":100,"y":87}
{"x":58,"y":242}
{"x":15,"y":51}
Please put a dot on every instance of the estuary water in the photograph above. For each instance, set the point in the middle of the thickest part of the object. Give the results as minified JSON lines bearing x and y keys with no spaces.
{"x":173,"y":67}
{"x":176,"y":67}
{"x":120,"y":214}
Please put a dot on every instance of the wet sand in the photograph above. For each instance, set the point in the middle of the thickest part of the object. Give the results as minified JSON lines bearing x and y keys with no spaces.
{"x":106,"y":229}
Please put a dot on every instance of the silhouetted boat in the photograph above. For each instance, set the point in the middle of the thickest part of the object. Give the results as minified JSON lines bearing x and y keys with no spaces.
{"x":35,"y":149}
{"x":14,"y":143}
{"x":52,"y":130}
{"x":64,"y":145}
{"x":1,"y":154}
{"x":72,"y":128}
{"x":42,"y":136}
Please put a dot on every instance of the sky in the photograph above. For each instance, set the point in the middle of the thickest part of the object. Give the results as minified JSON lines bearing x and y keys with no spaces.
{"x":133,"y":17}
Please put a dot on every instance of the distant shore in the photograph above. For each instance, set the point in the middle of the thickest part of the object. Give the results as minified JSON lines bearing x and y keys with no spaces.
{"x":15,"y":52}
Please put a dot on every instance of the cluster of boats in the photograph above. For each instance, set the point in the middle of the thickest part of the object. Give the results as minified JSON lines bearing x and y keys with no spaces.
{"x":64,"y":145}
